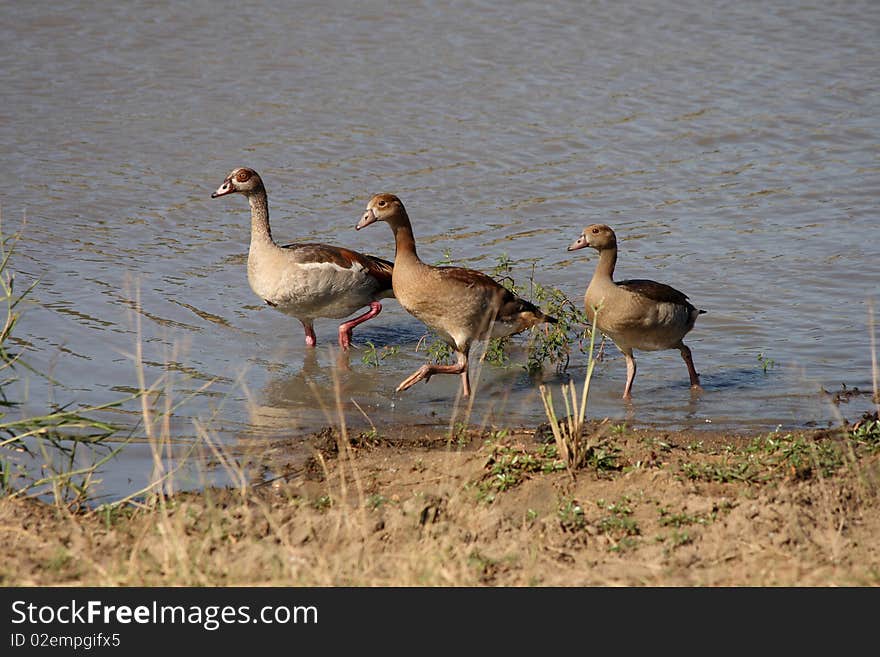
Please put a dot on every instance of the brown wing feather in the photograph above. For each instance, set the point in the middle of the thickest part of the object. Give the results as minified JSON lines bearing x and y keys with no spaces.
{"x":378,"y":268}
{"x":655,"y":291}
{"x":470,"y":277}
{"x":509,"y":304}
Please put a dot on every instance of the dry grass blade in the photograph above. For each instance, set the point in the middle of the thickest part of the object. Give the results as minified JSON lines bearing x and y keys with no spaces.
{"x":573,"y":447}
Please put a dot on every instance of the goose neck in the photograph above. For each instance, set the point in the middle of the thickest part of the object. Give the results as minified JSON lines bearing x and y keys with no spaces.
{"x":260,"y":230}
{"x":605,"y":268}
{"x":404,"y":240}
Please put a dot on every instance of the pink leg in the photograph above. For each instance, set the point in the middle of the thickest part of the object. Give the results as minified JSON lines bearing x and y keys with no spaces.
{"x":425,"y":372}
{"x":689,"y":361}
{"x":311,"y":340}
{"x":630,"y":374}
{"x":345,"y":329}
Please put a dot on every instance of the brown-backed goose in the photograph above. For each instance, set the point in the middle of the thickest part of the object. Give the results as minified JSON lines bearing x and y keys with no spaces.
{"x":636,"y":314}
{"x":307,"y":281}
{"x":460,"y":305}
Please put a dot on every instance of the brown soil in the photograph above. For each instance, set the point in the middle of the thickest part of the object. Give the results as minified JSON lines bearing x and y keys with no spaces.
{"x":489,"y":508}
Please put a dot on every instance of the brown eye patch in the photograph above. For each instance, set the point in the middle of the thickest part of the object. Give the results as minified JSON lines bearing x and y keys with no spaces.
{"x":595,"y":231}
{"x":243,"y":176}
{"x":381,"y":203}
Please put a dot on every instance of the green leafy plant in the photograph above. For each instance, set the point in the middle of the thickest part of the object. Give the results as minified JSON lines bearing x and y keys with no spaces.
{"x":552,"y":343}
{"x":323,"y":503}
{"x":508,"y":466}
{"x":618,"y":524}
{"x":571,"y":516}
{"x":373,"y":356}
{"x":867,"y":431}
{"x":376,"y":500}
{"x":548,"y":343}
{"x":765,"y":363}
{"x":724,"y":472}
{"x":683,"y":519}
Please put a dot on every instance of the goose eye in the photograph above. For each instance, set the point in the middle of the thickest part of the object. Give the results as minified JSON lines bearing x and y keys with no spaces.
{"x":382,"y":204}
{"x":243,"y":176}
{"x":595,"y":231}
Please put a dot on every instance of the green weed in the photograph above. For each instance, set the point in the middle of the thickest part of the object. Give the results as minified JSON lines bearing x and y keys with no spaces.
{"x":323,"y":503}
{"x":571,"y":516}
{"x":765,"y":363}
{"x":376,"y":500}
{"x":678,"y":520}
{"x":618,"y":525}
{"x":509,"y":466}
{"x":867,"y":432}
{"x":720,"y":472}
{"x":373,"y":356}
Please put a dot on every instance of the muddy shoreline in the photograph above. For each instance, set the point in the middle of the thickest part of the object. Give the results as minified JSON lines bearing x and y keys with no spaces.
{"x":489,"y":507}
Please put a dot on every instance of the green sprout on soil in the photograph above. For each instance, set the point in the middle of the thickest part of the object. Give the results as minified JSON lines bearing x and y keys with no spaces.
{"x":571,"y":516}
{"x":323,"y":503}
{"x":376,"y":500}
{"x":683,"y":519}
{"x":618,"y":524}
{"x":509,"y":466}
{"x":772,"y":457}
{"x":795,"y":457}
{"x":720,"y":472}
{"x":680,"y":538}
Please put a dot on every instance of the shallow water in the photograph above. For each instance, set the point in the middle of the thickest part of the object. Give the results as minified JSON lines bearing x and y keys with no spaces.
{"x":733,"y":147}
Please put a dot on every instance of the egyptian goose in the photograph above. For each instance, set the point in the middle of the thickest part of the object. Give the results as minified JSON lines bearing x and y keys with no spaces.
{"x":460,"y":305}
{"x":307,"y":281}
{"x":636,"y":314}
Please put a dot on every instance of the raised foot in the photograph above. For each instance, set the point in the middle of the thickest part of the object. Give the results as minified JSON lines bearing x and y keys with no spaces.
{"x":424,"y":372}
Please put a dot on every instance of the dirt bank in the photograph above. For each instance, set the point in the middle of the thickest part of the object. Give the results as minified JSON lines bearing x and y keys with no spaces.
{"x":489,"y":508}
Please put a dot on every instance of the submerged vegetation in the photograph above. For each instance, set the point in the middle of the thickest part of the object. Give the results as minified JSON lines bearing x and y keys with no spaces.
{"x":373,"y":356}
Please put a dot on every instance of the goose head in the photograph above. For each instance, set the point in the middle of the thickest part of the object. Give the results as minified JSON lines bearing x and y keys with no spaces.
{"x":382,"y":207}
{"x":597,"y":236}
{"x":242,"y":180}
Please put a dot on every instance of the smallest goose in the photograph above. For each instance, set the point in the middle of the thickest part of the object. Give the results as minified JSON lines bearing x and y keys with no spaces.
{"x":635,"y":314}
